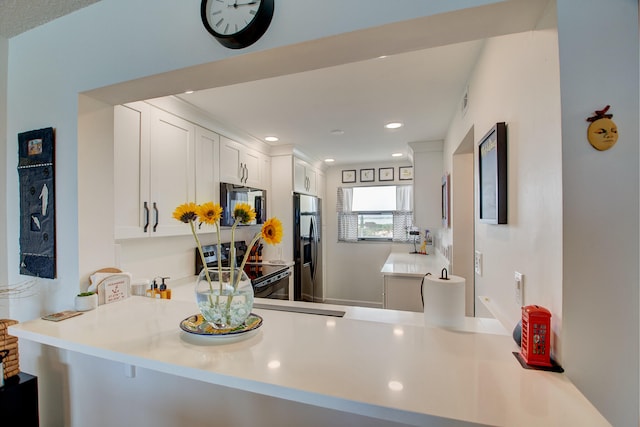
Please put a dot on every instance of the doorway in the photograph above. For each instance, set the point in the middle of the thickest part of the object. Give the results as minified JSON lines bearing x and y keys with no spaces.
{"x":462,"y":219}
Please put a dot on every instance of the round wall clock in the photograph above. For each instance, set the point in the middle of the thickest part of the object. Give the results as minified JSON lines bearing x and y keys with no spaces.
{"x":236,"y":24}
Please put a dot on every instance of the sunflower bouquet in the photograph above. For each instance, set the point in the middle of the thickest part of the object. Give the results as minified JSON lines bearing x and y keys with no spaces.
{"x":210,"y":213}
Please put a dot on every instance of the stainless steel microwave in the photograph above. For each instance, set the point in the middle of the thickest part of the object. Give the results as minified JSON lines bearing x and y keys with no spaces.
{"x":232,"y":194}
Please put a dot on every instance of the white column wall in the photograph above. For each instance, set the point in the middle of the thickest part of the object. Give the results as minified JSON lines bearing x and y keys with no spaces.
{"x":598,"y":44}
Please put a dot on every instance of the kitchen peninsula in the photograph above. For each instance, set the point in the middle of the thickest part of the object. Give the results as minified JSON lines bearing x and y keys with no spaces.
{"x":392,"y":369}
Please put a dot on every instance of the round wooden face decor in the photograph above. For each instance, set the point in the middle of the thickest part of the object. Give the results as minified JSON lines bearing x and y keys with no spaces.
{"x":602,"y":132}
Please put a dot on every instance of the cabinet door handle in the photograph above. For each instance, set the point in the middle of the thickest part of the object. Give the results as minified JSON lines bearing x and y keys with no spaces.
{"x":241,"y":172}
{"x":146,"y":216}
{"x":246,"y":175}
{"x":155,"y":210}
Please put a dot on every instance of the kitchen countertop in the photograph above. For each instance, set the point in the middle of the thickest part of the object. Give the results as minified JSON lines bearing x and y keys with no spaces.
{"x":394,"y":369}
{"x":413,"y":265}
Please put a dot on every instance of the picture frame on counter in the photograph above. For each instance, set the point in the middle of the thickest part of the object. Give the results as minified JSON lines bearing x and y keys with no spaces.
{"x":367,"y":175}
{"x":492,"y":188}
{"x":385,"y":174}
{"x":348,"y":176}
{"x":405,"y":173}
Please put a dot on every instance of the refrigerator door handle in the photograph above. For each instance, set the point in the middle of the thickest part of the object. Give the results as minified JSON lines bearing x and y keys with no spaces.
{"x":314,"y":247}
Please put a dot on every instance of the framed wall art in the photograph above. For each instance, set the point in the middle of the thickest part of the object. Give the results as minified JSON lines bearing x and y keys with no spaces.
{"x":492,"y":186}
{"x":405,"y":172}
{"x":385,"y":174}
{"x":348,"y":176}
{"x":367,"y":175}
{"x":446,"y":201}
{"x":37,"y":203}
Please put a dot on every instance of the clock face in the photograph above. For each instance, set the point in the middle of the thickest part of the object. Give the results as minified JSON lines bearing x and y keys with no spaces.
{"x":236,"y":23}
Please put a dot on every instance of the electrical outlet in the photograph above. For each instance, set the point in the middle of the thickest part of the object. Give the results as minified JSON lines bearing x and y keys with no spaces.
{"x":477,"y":263}
{"x":519,"y":278}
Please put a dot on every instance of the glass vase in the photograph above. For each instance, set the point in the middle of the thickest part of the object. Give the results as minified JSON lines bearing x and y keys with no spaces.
{"x":222,"y":305}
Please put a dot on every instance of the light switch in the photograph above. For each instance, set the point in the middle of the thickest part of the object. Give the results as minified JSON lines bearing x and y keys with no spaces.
{"x":519,"y":281}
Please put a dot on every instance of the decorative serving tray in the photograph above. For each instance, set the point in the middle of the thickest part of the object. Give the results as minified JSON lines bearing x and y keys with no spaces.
{"x":198,"y":326}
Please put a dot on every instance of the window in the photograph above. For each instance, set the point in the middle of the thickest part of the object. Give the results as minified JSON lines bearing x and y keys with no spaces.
{"x":374,"y":213}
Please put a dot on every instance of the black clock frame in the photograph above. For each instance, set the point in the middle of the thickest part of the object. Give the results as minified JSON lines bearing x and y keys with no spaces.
{"x":250,"y":34}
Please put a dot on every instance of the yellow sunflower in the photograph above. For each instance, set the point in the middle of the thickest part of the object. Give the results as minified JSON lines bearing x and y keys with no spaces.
{"x":209,"y":213}
{"x":186,"y":212}
{"x":244,"y":213}
{"x":272,"y":231}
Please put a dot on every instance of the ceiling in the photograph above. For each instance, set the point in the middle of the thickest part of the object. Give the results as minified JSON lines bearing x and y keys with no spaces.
{"x":18,"y":16}
{"x":339,"y":112}
{"x":331,"y":112}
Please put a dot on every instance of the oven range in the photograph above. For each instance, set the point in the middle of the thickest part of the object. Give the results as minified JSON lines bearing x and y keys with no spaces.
{"x":268,"y":280}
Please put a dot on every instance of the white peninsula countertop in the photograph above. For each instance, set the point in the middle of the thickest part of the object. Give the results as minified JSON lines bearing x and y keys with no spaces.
{"x":394,"y":369}
{"x":413,"y":265}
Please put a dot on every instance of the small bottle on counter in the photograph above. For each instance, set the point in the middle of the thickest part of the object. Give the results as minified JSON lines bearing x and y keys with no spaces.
{"x":165,"y":292}
{"x":150,"y":292}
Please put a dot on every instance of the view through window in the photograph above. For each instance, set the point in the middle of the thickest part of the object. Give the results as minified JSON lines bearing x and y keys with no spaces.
{"x":375,"y":206}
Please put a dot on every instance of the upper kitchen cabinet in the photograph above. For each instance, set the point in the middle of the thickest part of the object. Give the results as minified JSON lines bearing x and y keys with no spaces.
{"x":305,"y":178}
{"x":206,"y":170}
{"x":241,"y":165}
{"x":154,"y":158}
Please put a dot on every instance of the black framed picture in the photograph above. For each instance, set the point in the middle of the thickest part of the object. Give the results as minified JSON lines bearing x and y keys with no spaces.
{"x":405,"y":172}
{"x":367,"y":175}
{"x":349,"y":175}
{"x":492,"y":162}
{"x":385,"y":174}
{"x":446,"y":201}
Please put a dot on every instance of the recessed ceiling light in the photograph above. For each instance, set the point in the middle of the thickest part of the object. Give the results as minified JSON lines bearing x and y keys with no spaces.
{"x":188,"y":92}
{"x":271,"y":139}
{"x":393,"y":125}
{"x":329,"y":160}
{"x":396,"y":155}
{"x":337,"y":132}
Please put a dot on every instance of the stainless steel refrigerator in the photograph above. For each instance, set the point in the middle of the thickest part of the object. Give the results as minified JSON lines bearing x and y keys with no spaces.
{"x":307,"y":248}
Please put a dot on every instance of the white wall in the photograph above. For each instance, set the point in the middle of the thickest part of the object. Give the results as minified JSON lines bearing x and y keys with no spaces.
{"x":352,"y":275}
{"x":4,"y":46}
{"x":600,"y":203}
{"x":516,"y":81}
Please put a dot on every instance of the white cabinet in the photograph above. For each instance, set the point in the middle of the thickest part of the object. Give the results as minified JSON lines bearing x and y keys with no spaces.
{"x":402,"y":293}
{"x":239,"y":164}
{"x":154,"y":170}
{"x":206,"y":167}
{"x":305,"y":177}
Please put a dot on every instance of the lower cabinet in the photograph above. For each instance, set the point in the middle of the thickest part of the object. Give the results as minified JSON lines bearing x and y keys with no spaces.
{"x":19,"y":401}
{"x":403,"y":293}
